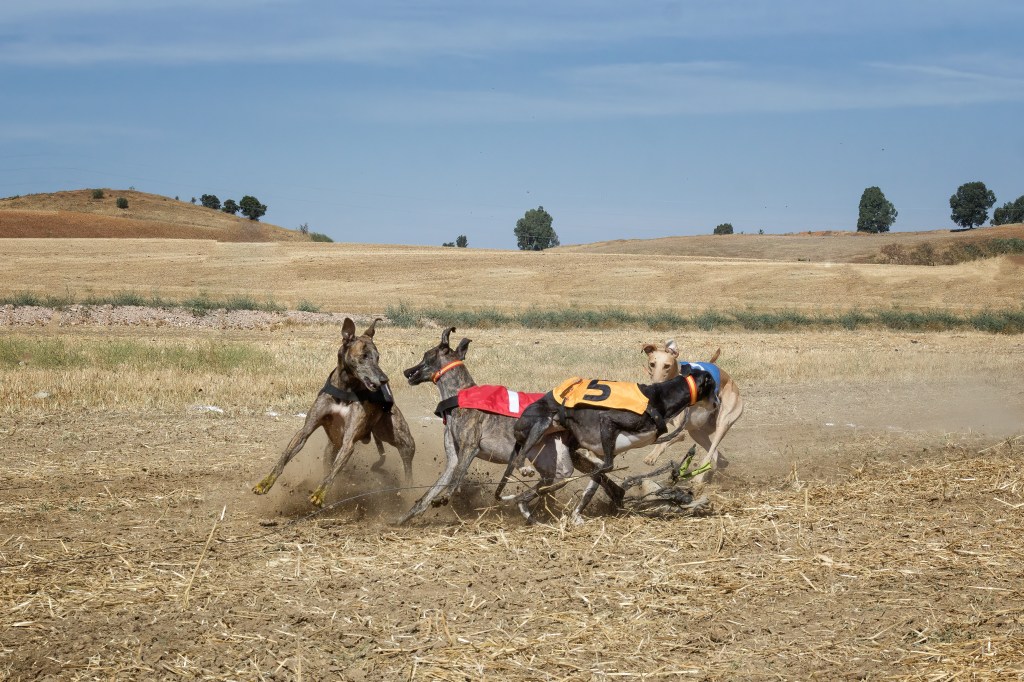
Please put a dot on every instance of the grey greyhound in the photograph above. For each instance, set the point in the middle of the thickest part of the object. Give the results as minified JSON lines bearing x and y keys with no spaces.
{"x":471,"y":433}
{"x":354,"y":404}
{"x":609,"y":432}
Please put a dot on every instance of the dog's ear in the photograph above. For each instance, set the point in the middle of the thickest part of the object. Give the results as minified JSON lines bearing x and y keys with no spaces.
{"x":444,"y":336}
{"x":348,"y":330}
{"x":460,"y":350}
{"x":372,"y":328}
{"x":648,"y":348}
{"x":671,"y":347}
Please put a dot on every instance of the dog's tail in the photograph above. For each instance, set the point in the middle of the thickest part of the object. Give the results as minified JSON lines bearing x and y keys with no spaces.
{"x":715,"y":356}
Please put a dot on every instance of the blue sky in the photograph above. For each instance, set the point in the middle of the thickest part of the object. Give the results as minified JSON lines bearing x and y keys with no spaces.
{"x":415,"y":121}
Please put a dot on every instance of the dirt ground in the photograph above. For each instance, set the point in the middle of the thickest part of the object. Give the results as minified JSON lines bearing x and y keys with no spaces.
{"x":863,"y":531}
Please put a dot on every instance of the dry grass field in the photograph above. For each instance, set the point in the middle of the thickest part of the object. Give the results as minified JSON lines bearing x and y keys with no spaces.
{"x":828,"y":246}
{"x":365,"y":279}
{"x":868,"y":524}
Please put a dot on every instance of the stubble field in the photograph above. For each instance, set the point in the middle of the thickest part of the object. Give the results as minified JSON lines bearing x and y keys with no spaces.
{"x":868,"y":525}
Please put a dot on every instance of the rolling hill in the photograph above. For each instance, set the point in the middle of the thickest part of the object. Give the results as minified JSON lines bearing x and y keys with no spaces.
{"x":815,"y":247}
{"x":75,"y":214}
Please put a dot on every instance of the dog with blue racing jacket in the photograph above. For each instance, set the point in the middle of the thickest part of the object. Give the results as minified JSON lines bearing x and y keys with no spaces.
{"x":707,"y":423}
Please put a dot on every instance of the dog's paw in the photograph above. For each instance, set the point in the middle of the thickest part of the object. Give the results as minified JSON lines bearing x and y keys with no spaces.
{"x":650,"y":459}
{"x":317,"y":498}
{"x":527,"y":471}
{"x":264,"y":486}
{"x":439,"y":501}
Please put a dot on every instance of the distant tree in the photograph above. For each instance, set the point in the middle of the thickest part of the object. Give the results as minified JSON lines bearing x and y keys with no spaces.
{"x":252,"y":208}
{"x":230,"y":206}
{"x":534,"y":232}
{"x":724,"y":228}
{"x":122,"y":202}
{"x":304,"y":228}
{"x":193,"y":200}
{"x":970,"y":204}
{"x":97,"y":194}
{"x":210,"y":201}
{"x":761,"y":231}
{"x":176,"y":198}
{"x":1010,"y":212}
{"x":451,"y":244}
{"x":461,"y":241}
{"x":876,"y":213}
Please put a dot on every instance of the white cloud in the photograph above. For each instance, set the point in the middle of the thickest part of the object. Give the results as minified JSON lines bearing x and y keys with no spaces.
{"x":695,"y":88}
{"x":61,"y":32}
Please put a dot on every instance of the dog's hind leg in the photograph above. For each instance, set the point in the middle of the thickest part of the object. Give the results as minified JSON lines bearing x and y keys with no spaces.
{"x":523,"y":447}
{"x":392,"y":428}
{"x":314,"y":419}
{"x":728,"y":412}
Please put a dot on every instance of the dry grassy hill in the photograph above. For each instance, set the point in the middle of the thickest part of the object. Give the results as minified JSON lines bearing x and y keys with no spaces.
{"x":820,"y":247}
{"x":365,"y":278}
{"x":76,"y":214}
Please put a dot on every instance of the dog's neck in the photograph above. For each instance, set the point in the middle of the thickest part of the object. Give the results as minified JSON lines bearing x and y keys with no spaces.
{"x":673,"y":396}
{"x":454,"y":380}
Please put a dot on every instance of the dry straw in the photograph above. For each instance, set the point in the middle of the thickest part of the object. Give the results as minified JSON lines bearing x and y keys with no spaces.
{"x":887,"y":572}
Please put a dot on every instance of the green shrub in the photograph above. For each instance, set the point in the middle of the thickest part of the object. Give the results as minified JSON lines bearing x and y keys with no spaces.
{"x":307,"y":307}
{"x":401,"y":315}
{"x":122,"y":202}
{"x":319,"y":237}
{"x":97,"y":194}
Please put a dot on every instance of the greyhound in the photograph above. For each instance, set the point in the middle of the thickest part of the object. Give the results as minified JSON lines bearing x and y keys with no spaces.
{"x":470,"y":433}
{"x":707,"y":426}
{"x":610,"y":431}
{"x":354,"y":404}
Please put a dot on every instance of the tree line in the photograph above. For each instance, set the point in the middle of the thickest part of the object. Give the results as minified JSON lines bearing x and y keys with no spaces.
{"x":249,"y":206}
{"x":969,"y":207}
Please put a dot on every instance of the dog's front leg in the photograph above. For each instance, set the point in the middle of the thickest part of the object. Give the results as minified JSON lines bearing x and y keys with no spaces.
{"x":451,"y":461}
{"x":348,"y":446}
{"x":659,"y":449}
{"x":588,"y":494}
{"x":314,"y":419}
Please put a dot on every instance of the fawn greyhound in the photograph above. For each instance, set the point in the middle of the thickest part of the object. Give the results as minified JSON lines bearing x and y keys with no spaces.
{"x":471,"y":433}
{"x":607,"y":432}
{"x":354,"y":404}
{"x":707,"y":424}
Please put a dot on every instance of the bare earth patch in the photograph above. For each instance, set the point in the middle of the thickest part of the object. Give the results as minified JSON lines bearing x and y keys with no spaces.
{"x":867,"y":527}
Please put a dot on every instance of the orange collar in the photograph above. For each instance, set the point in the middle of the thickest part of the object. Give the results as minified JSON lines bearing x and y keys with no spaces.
{"x":451,"y":365}
{"x":693,"y":388}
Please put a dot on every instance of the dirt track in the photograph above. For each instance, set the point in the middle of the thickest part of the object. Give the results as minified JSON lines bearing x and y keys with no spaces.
{"x":855,"y":534}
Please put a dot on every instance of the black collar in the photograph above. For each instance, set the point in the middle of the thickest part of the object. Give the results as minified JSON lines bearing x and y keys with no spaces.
{"x":382,"y":396}
{"x":445,"y":407}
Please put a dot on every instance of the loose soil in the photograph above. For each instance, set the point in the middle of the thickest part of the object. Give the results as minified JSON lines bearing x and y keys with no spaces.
{"x":870,"y":530}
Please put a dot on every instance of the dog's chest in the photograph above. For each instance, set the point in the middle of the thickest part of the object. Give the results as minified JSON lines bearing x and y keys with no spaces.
{"x":340,"y":410}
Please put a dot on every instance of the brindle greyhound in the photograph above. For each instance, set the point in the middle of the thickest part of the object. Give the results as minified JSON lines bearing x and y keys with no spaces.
{"x":610,"y":431}
{"x":471,"y":433}
{"x":707,"y":426}
{"x":354,"y":404}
